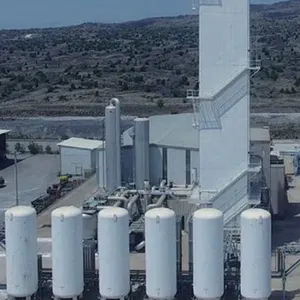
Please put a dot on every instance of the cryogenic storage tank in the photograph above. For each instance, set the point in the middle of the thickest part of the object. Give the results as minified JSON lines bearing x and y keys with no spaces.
{"x":256,"y":254}
{"x":160,"y":237}
{"x":208,"y":257}
{"x":67,"y":252}
{"x":113,"y":253}
{"x":21,"y":251}
{"x":110,"y":147}
{"x":89,"y":226}
{"x":141,"y":151}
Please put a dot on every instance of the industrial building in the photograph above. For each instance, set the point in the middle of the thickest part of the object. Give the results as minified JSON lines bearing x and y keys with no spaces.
{"x":3,"y":133}
{"x":205,"y":176}
{"x":174,"y":149}
{"x":78,"y":156}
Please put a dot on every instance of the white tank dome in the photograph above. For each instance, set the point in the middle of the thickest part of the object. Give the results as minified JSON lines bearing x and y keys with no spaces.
{"x":89,"y":226}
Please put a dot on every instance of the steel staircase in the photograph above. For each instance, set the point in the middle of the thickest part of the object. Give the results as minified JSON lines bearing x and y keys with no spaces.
{"x":235,"y":197}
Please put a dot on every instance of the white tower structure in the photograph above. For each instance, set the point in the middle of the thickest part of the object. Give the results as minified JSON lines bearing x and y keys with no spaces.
{"x":221,"y":105}
{"x":141,"y":151}
{"x":113,"y":144}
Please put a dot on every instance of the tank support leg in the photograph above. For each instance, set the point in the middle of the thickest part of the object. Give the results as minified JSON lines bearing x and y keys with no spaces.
{"x":28,"y":298}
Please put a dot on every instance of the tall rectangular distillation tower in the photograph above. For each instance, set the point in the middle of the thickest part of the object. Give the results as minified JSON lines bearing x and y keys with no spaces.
{"x":221,"y":105}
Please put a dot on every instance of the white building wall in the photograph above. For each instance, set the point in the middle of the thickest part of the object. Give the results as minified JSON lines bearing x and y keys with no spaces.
{"x":94,"y":158}
{"x":262,"y":148}
{"x":75,"y":161}
{"x":176,"y":165}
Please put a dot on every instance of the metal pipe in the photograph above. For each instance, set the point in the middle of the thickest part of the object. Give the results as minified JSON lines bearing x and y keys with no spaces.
{"x":159,"y":202}
{"x":181,"y":189}
{"x":130,"y":204}
{"x":118,"y":198}
{"x":118,"y":203}
{"x":115,"y":102}
{"x":140,"y":246}
{"x":163,"y":184}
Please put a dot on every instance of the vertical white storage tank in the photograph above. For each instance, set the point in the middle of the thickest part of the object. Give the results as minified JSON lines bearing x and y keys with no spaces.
{"x":113,"y":253}
{"x":208,"y":255}
{"x":67,"y":252}
{"x":110,"y":147}
{"x":21,"y":251}
{"x":256,"y":254}
{"x":160,"y":237}
{"x":141,"y":151}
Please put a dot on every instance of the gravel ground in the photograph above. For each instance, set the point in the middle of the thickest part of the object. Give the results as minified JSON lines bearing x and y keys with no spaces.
{"x":58,"y":127}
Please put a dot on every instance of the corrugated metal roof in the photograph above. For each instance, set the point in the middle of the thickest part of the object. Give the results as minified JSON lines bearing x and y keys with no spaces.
{"x":81,"y":143}
{"x":174,"y":131}
{"x":177,"y":131}
{"x":4,"y":131}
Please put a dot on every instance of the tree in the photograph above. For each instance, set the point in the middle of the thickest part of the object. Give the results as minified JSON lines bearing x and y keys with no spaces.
{"x":160,"y":103}
{"x":19,"y":148}
{"x":48,"y":149}
{"x":34,"y":148}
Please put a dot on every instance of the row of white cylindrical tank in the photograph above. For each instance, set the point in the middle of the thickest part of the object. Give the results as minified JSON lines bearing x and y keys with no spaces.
{"x":114,"y":255}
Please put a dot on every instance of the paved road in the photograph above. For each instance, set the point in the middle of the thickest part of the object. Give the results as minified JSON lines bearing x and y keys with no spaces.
{"x":75,"y":197}
{"x":35,"y":174}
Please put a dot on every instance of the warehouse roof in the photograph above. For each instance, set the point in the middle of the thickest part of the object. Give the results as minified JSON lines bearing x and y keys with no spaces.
{"x":177,"y":131}
{"x":81,"y":143}
{"x":4,"y":131}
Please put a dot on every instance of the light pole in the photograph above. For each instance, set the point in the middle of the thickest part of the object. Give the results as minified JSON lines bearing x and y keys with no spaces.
{"x":16,"y":178}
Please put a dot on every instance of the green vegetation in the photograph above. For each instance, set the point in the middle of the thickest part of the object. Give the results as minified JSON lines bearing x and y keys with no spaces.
{"x":148,"y":64}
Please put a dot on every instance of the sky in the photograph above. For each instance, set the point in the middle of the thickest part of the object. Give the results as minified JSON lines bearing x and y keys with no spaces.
{"x":53,"y":13}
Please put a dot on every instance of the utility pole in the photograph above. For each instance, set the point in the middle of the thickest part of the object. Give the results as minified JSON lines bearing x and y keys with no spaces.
{"x":16,"y":178}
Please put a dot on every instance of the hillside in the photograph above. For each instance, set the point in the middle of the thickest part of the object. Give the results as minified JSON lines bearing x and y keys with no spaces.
{"x":148,"y":64}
